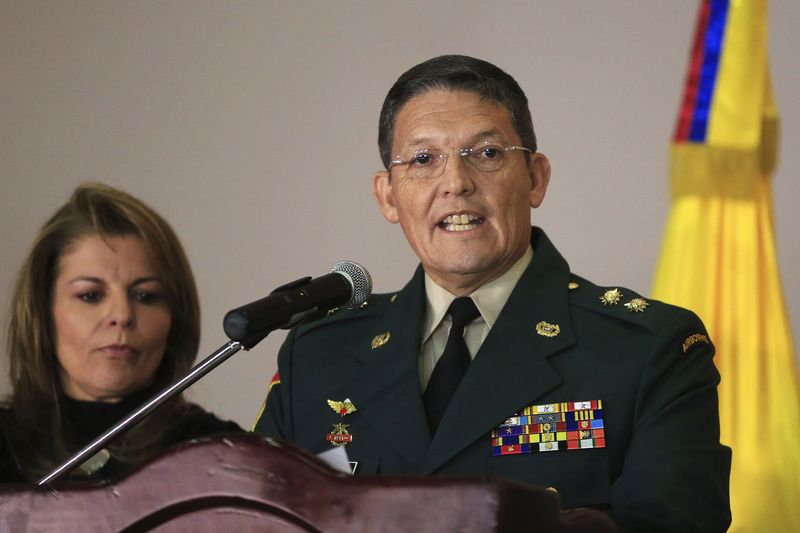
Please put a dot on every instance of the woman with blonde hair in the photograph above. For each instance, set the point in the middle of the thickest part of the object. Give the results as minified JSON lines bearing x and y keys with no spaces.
{"x":104,"y":314}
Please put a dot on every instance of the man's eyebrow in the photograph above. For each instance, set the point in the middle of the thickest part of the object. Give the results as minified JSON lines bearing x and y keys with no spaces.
{"x":419,"y":141}
{"x":475,"y":137}
{"x":492,"y":133}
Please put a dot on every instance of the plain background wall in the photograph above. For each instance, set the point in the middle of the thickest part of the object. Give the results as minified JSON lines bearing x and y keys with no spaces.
{"x":252,"y":125}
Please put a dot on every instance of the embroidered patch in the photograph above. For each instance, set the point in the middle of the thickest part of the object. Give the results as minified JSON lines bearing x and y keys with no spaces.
{"x":551,"y":427}
{"x":545,"y":329}
{"x":691,"y":340}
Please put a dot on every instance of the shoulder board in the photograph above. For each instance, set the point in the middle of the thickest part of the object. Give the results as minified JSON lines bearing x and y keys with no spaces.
{"x":627,"y":305}
{"x":621,"y":303}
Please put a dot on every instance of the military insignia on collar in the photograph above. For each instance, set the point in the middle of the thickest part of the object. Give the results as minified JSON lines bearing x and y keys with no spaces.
{"x":691,"y":340}
{"x":342,"y":408}
{"x":339,"y":436}
{"x":637,"y":305}
{"x":546,"y":329}
{"x":573,"y":285}
{"x":551,"y":427}
{"x":611,"y":297}
{"x":380,"y":340}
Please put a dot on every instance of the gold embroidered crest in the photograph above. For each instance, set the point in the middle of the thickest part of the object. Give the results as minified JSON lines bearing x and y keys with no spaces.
{"x":546,"y":329}
{"x":380,"y":339}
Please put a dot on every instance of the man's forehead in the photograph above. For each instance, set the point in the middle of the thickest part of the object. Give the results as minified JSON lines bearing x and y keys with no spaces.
{"x":450,"y":116}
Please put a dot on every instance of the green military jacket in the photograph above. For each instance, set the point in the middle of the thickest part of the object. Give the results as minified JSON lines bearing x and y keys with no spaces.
{"x":635,"y":375}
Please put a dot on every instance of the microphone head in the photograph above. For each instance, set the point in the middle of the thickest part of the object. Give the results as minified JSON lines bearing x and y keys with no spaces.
{"x":359,"y":279}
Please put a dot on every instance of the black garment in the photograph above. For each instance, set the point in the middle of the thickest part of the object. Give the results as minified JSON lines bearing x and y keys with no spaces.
{"x":558,"y":339}
{"x":90,"y":419}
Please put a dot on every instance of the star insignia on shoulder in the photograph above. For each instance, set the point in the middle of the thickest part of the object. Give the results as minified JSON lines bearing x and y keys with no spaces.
{"x":611,"y":297}
{"x":342,"y":408}
{"x":637,"y":305}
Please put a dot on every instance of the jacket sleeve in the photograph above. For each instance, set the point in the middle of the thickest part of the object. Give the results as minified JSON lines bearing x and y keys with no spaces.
{"x":676,"y":473}
{"x":275,"y":417}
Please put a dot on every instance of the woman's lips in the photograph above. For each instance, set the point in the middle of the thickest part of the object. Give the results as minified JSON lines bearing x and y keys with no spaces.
{"x":118,"y":350}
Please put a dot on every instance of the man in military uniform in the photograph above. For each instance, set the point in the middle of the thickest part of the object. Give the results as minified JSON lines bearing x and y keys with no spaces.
{"x":495,"y":359}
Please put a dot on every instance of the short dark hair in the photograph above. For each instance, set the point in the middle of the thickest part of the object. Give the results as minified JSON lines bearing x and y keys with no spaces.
{"x":455,"y":73}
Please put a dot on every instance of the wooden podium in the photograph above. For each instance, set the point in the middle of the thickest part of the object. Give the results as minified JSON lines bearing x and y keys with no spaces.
{"x":244,"y":482}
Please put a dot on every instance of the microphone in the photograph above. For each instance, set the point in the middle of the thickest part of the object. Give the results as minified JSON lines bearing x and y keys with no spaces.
{"x":347,"y":285}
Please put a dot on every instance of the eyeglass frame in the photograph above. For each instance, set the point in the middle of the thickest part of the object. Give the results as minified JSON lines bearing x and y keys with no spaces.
{"x":463,"y":152}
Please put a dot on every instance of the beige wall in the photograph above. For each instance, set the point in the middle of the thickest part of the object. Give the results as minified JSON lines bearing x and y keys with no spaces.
{"x":251,"y":126}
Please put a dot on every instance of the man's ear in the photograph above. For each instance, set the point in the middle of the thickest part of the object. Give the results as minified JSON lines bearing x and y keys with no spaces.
{"x":539,"y":172}
{"x":382,"y":191}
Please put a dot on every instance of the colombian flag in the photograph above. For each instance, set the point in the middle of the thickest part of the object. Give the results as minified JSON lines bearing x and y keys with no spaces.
{"x":719,"y":259}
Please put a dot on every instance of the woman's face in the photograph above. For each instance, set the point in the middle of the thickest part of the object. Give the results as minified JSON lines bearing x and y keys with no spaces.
{"x":110,"y":317}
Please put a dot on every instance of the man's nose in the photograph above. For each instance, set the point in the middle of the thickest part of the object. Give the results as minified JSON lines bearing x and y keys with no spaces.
{"x":457,"y":176}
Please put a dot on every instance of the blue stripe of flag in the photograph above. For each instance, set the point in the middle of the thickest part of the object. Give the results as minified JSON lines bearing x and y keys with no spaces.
{"x":708,"y":76}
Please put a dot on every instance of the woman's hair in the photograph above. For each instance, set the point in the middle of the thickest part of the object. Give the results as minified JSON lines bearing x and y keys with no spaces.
{"x":40,"y":435}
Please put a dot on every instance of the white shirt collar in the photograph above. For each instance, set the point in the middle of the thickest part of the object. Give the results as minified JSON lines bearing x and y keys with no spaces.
{"x":489,"y":299}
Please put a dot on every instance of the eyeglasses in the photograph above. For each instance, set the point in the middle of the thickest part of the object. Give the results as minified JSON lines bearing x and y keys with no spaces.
{"x":429,"y":163}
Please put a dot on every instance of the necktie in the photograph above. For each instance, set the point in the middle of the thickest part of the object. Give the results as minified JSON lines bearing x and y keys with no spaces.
{"x":453,"y":363}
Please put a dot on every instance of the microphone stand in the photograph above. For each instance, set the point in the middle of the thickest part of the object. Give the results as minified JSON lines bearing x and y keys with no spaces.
{"x":198,"y":371}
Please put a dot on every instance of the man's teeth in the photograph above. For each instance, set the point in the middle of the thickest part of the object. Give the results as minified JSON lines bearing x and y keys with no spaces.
{"x":461,"y":222}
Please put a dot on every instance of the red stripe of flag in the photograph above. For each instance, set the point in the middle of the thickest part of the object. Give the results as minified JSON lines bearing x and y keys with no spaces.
{"x":693,"y":76}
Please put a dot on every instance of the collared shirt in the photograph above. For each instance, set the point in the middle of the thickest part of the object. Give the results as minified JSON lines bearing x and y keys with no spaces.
{"x":489,"y":299}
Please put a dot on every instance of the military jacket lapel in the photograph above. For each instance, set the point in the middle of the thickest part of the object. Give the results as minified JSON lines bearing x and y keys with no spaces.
{"x":511,"y":369}
{"x":388,"y":390}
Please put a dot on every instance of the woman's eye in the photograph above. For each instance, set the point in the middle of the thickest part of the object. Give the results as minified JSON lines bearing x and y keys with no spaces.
{"x":146,"y":297}
{"x":90,"y":296}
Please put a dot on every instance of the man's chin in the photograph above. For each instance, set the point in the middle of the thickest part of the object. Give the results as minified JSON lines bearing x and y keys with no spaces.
{"x":459,"y":271}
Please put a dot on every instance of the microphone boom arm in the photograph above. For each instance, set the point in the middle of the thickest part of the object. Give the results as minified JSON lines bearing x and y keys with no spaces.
{"x":198,"y":371}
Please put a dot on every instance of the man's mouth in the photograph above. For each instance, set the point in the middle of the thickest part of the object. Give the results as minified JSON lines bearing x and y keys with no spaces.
{"x":462,"y":222}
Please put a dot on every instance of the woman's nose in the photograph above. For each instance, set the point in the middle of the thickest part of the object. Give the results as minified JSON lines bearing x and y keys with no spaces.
{"x":120,"y":312}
